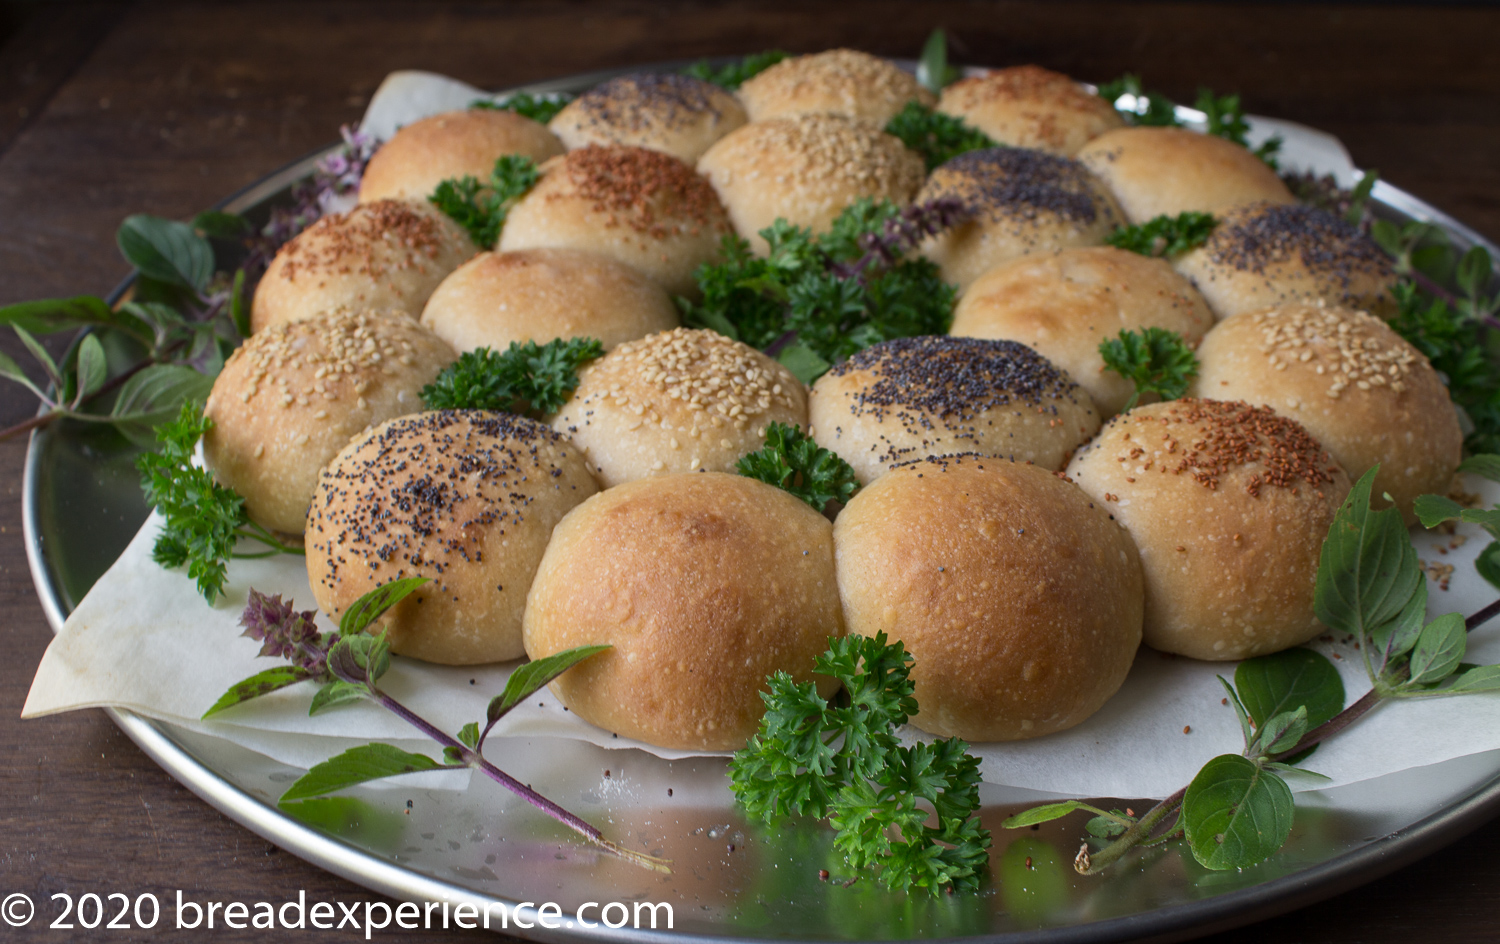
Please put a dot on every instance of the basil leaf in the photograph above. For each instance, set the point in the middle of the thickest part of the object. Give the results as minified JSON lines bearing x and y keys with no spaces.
{"x":222,"y":225}
{"x":1235,"y":814}
{"x":1239,"y":712}
{"x":357,"y":765}
{"x":93,"y":369}
{"x":1395,"y":639}
{"x":1288,"y":680}
{"x":40,"y":353}
{"x":804,"y":363}
{"x":336,"y":693}
{"x":359,"y":659}
{"x":1488,"y":563}
{"x":373,"y":605}
{"x":1439,"y":649}
{"x":261,"y":683}
{"x":1474,"y":270}
{"x":1485,"y":464}
{"x":154,"y":396}
{"x":166,"y":250}
{"x":527,"y":679}
{"x":1433,"y":510}
{"x":1041,"y":814}
{"x":1481,"y":678}
{"x":932,"y":69}
{"x":1368,"y":569}
{"x":469,"y":735}
{"x":1282,"y":732}
{"x":50,"y":315}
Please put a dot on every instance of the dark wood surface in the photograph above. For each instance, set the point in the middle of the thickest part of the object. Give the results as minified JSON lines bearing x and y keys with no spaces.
{"x":110,"y":109}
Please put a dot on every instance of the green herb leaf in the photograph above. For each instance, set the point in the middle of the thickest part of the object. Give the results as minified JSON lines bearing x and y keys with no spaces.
{"x":1284,"y":681}
{"x":933,"y":71}
{"x":804,"y":363}
{"x":373,"y":605}
{"x":261,"y":683}
{"x":167,"y":251}
{"x":1155,"y":360}
{"x":355,"y":766}
{"x":35,"y":348}
{"x":1042,"y":814}
{"x":1282,"y":732}
{"x":469,"y":735}
{"x":481,"y":208}
{"x":1488,"y":563}
{"x":1481,"y":678}
{"x":937,"y":137}
{"x":93,"y":369}
{"x":359,"y":659}
{"x":220,"y":225}
{"x":1390,"y":641}
{"x":152,"y":396}
{"x":335,"y":693}
{"x":1165,"y":236}
{"x":539,"y":108}
{"x":50,"y":315}
{"x":1239,"y":712}
{"x":1439,"y":650}
{"x":735,"y":74}
{"x":1433,"y":510}
{"x":793,"y":462}
{"x":526,"y":680}
{"x":1235,"y":814}
{"x":1360,"y":196}
{"x":1486,"y":465}
{"x":526,"y":378}
{"x":1144,"y":108}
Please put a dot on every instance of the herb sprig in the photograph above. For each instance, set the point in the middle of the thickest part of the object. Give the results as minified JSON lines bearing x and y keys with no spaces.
{"x":1223,"y":115}
{"x":481,"y":208}
{"x":527,"y":378}
{"x":1154,"y":359}
{"x":734,"y":74}
{"x":1165,"y":236}
{"x":539,"y":108}
{"x":937,"y":137}
{"x":793,"y":462}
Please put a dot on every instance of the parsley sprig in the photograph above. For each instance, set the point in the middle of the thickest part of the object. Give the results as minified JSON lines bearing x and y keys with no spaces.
{"x":734,"y":74}
{"x":481,"y":208}
{"x":1165,"y":236}
{"x":1154,"y":359}
{"x":1223,"y":115}
{"x":843,"y":762}
{"x":937,"y":137}
{"x":528,"y":377}
{"x":793,"y":462}
{"x":539,"y":108}
{"x":1142,"y":107}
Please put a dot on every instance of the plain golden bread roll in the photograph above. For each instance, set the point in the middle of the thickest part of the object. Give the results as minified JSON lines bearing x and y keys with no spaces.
{"x":1064,"y":304}
{"x":806,"y":169}
{"x":465,"y":498}
{"x":641,"y":207}
{"x":911,"y":398}
{"x":293,"y":395}
{"x":1030,"y":107}
{"x":664,"y":111}
{"x":1266,"y":254}
{"x":386,"y":255}
{"x":1018,"y":201}
{"x":1166,"y":171}
{"x":703,"y":585}
{"x":1017,"y":596}
{"x":680,"y":401}
{"x":543,"y":294}
{"x":453,"y":144}
{"x":1229,"y":505}
{"x":1366,"y":394}
{"x":841,"y":82}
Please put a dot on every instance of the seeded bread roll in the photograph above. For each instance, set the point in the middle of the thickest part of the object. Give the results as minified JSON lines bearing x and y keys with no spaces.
{"x":930,"y":396}
{"x":293,"y":395}
{"x":1030,"y":107}
{"x":387,"y":255}
{"x":453,"y":144}
{"x":1166,"y":171}
{"x":806,"y":169}
{"x":1064,"y":304}
{"x":663,"y":111}
{"x":466,"y":498}
{"x":1366,"y":394}
{"x":641,"y":207}
{"x":1266,"y":254}
{"x":679,"y":401}
{"x":1229,"y":505}
{"x":1018,"y":201}
{"x":1018,"y":597}
{"x":544,"y":294}
{"x":703,"y":585}
{"x":840,"y":81}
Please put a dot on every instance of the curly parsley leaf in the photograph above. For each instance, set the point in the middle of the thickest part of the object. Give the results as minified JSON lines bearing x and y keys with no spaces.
{"x":735,"y":74}
{"x":1226,"y":119}
{"x":1456,"y":346}
{"x":481,"y":208}
{"x":793,"y":462}
{"x":1165,"y":235}
{"x":1142,"y":107}
{"x":937,"y":137}
{"x":528,"y":377}
{"x":539,"y":108}
{"x":1154,"y":359}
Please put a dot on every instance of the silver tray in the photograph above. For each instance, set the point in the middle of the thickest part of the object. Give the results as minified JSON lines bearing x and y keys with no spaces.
{"x":731,"y":881}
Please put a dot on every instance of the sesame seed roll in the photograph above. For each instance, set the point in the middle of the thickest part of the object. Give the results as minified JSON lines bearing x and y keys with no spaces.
{"x":1030,"y":107}
{"x":453,"y":144}
{"x":841,"y":82}
{"x":664,"y":111}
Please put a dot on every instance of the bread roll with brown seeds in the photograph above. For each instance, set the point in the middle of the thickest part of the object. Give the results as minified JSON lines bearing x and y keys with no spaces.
{"x":911,"y":398}
{"x":806,"y":169}
{"x":544,"y":294}
{"x":387,"y":255}
{"x":664,"y":111}
{"x":450,"y":145}
{"x":293,"y":395}
{"x":1064,"y":304}
{"x":1359,"y":387}
{"x":1019,"y":201}
{"x":1166,"y":171}
{"x":1262,"y":255}
{"x":1030,"y":107}
{"x":466,"y":498}
{"x":1018,"y":597}
{"x":679,"y":401}
{"x":703,"y":585}
{"x":1229,"y":505}
{"x":641,"y":207}
{"x":840,"y":81}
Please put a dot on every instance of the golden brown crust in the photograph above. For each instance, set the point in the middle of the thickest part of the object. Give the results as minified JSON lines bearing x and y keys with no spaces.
{"x":1167,"y":171}
{"x":464,"y":497}
{"x":293,"y":396}
{"x":1229,"y":505}
{"x":664,"y":111}
{"x":680,"y":401}
{"x":1064,"y":304}
{"x":1018,"y":597}
{"x":1030,"y":107}
{"x":840,"y":81}
{"x":704,"y":585}
{"x":453,"y":144}
{"x":1366,"y":394}
{"x":539,"y":295}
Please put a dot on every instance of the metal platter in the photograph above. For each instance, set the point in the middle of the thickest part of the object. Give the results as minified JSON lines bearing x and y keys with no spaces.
{"x":731,"y":881}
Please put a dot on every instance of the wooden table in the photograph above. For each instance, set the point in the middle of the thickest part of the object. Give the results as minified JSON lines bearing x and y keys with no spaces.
{"x":111,"y":109}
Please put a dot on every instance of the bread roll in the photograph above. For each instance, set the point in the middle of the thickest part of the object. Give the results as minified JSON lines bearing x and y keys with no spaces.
{"x":1266,"y":254}
{"x":841,"y":82}
{"x":664,"y":111}
{"x":464,"y":497}
{"x":544,"y":294}
{"x":1030,"y":107}
{"x":293,"y":395}
{"x":807,"y":169}
{"x":704,"y":585}
{"x":679,"y":401}
{"x":1229,"y":505}
{"x":1019,"y":201}
{"x":1017,"y":596}
{"x":387,"y":255}
{"x":453,"y":144}
{"x":1064,"y":304}
{"x":1166,"y":171}
{"x":930,"y":396}
{"x":1366,"y":394}
{"x":641,"y":207}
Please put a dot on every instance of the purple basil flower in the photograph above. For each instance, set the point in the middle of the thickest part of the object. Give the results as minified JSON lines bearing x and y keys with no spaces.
{"x":285,"y":633}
